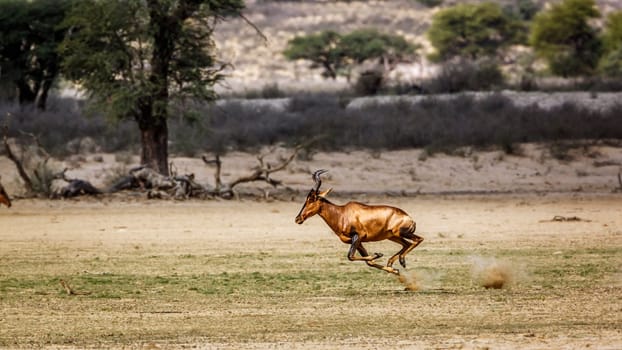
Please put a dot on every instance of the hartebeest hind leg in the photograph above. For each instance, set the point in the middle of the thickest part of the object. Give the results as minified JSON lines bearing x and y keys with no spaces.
{"x":407,"y":246}
{"x":416,"y":241}
{"x":357,"y":246}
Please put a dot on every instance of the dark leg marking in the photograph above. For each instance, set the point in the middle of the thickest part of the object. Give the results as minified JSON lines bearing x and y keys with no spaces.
{"x":356,"y":245}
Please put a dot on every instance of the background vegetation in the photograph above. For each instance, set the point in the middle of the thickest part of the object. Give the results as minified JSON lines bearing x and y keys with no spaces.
{"x":472,"y":42}
{"x":438,"y":124}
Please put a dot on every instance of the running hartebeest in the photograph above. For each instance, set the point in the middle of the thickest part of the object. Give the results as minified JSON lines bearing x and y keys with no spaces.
{"x":355,"y":223}
{"x":4,"y":198}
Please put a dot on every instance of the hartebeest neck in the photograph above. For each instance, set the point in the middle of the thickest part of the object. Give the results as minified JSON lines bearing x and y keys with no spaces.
{"x":331,"y":213}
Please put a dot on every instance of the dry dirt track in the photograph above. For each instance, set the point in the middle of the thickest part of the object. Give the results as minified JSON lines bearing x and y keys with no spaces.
{"x":241,"y":274}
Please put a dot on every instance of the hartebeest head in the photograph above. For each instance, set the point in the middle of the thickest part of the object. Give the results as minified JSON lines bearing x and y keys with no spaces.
{"x":314,"y":199}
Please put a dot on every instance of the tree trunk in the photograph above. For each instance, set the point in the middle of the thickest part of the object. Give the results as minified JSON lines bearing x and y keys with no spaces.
{"x":154,"y":139}
{"x":25,"y":95}
{"x":152,"y":120}
{"x":42,"y":94}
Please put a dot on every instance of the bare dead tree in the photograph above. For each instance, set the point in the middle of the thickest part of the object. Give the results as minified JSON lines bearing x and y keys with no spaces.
{"x":39,"y":179}
{"x":40,"y":149}
{"x":18,"y":163}
{"x":261,"y":172}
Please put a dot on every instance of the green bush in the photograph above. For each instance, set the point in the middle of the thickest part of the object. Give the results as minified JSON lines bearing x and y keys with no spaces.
{"x":611,"y":61}
{"x":564,"y":37}
{"x":470,"y":31}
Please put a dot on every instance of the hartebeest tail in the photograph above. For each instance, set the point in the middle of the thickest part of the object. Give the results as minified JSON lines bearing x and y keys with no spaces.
{"x":355,"y":223}
{"x":4,"y":198}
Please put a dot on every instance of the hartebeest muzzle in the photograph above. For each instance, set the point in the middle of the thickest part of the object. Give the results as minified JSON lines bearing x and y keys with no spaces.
{"x":303,"y":215}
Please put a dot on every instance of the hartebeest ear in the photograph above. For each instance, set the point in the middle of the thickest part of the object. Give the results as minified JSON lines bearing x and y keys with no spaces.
{"x":324,"y":193}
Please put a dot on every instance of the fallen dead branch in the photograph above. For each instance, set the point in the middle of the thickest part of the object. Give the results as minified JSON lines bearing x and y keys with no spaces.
{"x":69,"y":290}
{"x":158,"y":185}
{"x":559,"y":218}
{"x":74,"y":187}
{"x":186,"y":186}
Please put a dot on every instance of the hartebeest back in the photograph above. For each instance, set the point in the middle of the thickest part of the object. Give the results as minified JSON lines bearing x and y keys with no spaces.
{"x":355,"y":223}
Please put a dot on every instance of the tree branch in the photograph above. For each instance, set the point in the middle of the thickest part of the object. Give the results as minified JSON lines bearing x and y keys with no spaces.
{"x":15,"y":160}
{"x":218,"y":163}
{"x":261,"y":34}
{"x":263,"y":171}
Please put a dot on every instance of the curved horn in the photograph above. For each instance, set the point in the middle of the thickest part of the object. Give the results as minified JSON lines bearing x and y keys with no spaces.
{"x":317,"y":179}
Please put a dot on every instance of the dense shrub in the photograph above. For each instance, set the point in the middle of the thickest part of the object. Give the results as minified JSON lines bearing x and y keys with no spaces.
{"x":65,"y":121}
{"x":460,"y":76}
{"x":434,"y":123}
{"x":368,"y":83}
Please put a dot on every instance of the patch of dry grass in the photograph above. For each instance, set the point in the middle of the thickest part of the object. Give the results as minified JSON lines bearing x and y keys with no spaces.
{"x":256,"y":280}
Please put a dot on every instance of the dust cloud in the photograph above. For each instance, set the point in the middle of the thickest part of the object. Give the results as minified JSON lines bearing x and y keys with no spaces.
{"x":419,"y":280}
{"x":492,"y":273}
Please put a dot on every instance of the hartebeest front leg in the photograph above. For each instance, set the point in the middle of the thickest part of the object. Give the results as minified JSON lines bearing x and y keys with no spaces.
{"x":357,"y":246}
{"x":372,"y":263}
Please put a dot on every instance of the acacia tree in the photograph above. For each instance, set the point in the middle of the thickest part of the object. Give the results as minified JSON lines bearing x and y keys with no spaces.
{"x":29,"y":36}
{"x":136,"y":58}
{"x":564,"y":37}
{"x":318,"y":48}
{"x":336,"y":54}
{"x":365,"y":44}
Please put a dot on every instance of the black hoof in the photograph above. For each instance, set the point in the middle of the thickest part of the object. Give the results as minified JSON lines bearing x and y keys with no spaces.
{"x":403,"y":262}
{"x":378,"y":255}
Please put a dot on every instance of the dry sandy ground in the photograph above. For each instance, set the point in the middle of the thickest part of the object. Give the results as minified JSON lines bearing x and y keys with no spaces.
{"x":240,"y":274}
{"x":563,"y":293}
